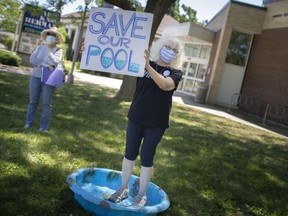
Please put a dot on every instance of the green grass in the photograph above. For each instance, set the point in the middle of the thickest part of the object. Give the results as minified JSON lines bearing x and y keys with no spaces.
{"x":208,"y":165}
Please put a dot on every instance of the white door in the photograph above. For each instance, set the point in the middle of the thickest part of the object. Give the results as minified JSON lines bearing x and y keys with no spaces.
{"x":231,"y":83}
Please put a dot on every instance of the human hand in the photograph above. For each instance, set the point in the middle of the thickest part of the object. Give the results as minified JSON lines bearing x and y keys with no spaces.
{"x":82,"y":47}
{"x":147,"y":58}
{"x":51,"y":68}
{"x":49,"y":49}
{"x":44,"y":65}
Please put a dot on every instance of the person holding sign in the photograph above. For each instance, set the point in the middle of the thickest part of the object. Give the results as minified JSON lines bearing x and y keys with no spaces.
{"x":148,"y":117}
{"x":45,"y":55}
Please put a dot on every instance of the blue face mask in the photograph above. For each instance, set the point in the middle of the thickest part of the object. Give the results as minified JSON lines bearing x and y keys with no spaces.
{"x":167,"y":56}
{"x":51,"y":39}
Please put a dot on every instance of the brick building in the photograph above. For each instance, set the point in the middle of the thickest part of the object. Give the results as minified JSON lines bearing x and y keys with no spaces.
{"x":242,"y":58}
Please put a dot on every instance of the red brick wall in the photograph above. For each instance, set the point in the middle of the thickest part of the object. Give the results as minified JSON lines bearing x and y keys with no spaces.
{"x":266,"y":75}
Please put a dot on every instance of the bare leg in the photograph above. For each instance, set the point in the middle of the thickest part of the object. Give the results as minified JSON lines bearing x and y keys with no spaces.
{"x":145,"y":177}
{"x":122,"y":193}
{"x":127,"y":169}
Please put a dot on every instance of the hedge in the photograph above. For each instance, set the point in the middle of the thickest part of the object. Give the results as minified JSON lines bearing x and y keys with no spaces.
{"x":9,"y":58}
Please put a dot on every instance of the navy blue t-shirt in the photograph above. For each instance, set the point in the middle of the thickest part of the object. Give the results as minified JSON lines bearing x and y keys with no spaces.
{"x":152,"y":105}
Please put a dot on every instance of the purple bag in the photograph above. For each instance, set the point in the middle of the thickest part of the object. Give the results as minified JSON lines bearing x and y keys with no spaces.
{"x":54,"y":78}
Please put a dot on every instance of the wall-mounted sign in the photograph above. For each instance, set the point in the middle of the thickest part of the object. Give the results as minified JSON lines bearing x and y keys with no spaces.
{"x":35,"y":20}
{"x":115,"y":41}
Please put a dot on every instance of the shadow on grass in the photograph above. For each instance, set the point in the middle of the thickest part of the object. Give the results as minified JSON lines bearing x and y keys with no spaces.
{"x":210,"y":167}
{"x":207,"y":165}
{"x":34,"y":166}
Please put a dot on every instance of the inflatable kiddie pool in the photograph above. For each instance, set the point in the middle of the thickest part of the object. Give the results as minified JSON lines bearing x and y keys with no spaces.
{"x":93,"y":186}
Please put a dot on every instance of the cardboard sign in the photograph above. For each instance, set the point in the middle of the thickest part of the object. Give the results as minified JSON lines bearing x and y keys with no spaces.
{"x":115,"y":41}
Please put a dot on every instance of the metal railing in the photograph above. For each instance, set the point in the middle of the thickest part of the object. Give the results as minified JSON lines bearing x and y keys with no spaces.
{"x":274,"y":111}
{"x":238,"y":99}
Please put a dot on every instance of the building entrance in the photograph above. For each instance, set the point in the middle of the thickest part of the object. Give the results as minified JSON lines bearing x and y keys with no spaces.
{"x":193,"y":74}
{"x":194,"y":67}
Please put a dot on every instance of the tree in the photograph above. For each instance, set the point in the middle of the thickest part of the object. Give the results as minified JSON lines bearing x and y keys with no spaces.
{"x":158,"y":8}
{"x":188,"y":16}
{"x":11,"y":11}
{"x":174,"y":11}
{"x":9,"y":15}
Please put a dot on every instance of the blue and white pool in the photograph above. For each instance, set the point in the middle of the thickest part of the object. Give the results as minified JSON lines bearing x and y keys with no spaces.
{"x":93,"y":186}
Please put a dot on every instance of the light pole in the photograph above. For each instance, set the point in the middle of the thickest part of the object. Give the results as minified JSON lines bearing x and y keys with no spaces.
{"x":22,"y":4}
{"x":70,"y":78}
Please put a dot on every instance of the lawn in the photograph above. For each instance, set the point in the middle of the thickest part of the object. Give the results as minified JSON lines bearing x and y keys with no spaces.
{"x":207,"y":165}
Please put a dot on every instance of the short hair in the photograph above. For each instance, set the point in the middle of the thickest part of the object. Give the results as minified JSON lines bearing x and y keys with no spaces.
{"x":164,"y":40}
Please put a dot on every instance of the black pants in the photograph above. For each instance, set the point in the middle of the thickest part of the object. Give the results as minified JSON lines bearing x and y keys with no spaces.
{"x":151,"y":136}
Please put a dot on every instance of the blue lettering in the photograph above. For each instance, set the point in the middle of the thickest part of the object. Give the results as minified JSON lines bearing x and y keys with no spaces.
{"x":125,"y":42}
{"x":133,"y":67}
{"x":124,"y":29}
{"x":92,"y":51}
{"x":133,"y":22}
{"x":120,"y":64}
{"x":114,"y":43}
{"x":107,"y":57}
{"x":135,"y":26}
{"x":103,"y":39}
{"x":107,"y":61}
{"x":101,"y":23}
{"x":112,"y":23}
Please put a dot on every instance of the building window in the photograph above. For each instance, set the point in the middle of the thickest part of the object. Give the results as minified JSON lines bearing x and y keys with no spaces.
{"x":238,"y":48}
{"x":205,"y":52}
{"x":192,"y":70}
{"x":192,"y":50}
{"x":189,"y":85}
{"x":197,"y":51}
{"x":201,"y":71}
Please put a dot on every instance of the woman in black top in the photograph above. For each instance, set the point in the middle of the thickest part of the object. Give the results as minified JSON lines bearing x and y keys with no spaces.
{"x":148,"y":117}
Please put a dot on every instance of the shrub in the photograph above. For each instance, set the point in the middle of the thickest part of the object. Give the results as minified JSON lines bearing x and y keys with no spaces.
{"x":8,"y":58}
{"x":67,"y":66}
{"x":8,"y":41}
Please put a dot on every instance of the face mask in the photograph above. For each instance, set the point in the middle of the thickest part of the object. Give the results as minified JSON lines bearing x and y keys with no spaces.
{"x":51,"y":39}
{"x":167,"y":56}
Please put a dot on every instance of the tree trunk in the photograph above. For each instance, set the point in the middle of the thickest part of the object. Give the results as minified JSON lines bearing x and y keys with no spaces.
{"x":159,"y":9}
{"x":127,"y":88}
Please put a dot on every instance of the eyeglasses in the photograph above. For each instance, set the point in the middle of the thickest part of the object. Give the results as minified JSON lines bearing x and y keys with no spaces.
{"x":168,"y":47}
{"x":49,"y":33}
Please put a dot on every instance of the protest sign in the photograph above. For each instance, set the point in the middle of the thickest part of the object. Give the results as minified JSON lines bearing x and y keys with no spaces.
{"x":115,"y":41}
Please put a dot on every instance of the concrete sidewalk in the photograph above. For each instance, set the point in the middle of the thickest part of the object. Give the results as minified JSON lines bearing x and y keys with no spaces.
{"x":98,"y":80}
{"x":178,"y":97}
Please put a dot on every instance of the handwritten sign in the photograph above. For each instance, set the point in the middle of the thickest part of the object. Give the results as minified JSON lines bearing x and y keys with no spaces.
{"x":115,"y":41}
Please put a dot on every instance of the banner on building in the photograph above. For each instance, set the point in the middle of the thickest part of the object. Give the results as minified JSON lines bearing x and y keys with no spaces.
{"x":115,"y":41}
{"x":35,"y":20}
